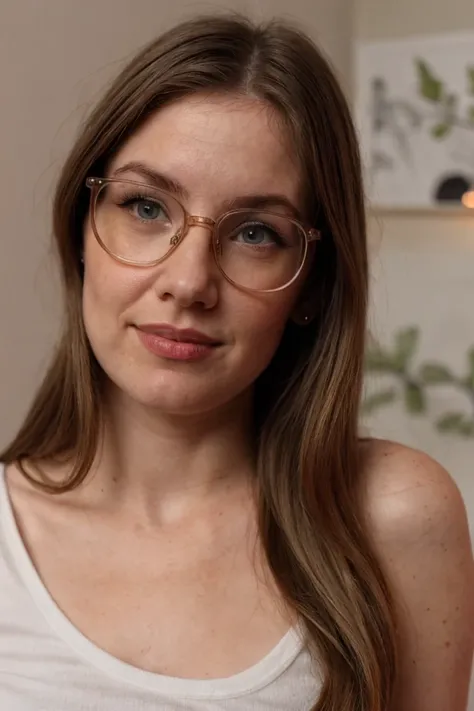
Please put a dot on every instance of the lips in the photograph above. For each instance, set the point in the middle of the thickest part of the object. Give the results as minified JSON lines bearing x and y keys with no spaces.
{"x":174,"y":344}
{"x":186,"y":335}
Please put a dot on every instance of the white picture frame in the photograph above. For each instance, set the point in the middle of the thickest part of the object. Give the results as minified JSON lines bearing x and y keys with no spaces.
{"x":415,"y":116}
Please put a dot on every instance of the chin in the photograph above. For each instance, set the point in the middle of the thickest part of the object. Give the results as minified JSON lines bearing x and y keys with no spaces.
{"x":176,"y":394}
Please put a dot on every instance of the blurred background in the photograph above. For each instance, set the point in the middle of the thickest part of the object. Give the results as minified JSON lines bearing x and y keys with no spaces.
{"x":408,"y":70}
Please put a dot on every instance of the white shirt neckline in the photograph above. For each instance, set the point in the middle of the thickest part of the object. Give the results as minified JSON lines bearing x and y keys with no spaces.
{"x":250,"y":680}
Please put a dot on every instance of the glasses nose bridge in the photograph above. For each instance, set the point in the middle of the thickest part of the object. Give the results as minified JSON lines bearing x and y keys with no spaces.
{"x":199,"y":221}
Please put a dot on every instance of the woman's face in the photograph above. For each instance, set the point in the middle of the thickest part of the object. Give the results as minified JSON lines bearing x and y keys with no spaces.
{"x":217,"y":149}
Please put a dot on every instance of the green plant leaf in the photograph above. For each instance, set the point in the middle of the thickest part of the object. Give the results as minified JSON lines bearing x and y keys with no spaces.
{"x":441,"y":130}
{"x":450,"y":422}
{"x":470,"y":79}
{"x":414,"y":399}
{"x":470,"y":114}
{"x":377,"y":400}
{"x":456,"y":423}
{"x":406,"y":342}
{"x":429,"y":86}
{"x":377,"y":360}
{"x":436,"y":374}
{"x":467,"y":428}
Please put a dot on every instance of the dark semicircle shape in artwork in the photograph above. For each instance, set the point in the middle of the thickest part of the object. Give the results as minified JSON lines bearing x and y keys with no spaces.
{"x":451,"y":188}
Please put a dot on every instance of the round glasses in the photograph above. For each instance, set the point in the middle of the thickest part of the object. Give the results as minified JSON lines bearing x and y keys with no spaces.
{"x":142,"y":225}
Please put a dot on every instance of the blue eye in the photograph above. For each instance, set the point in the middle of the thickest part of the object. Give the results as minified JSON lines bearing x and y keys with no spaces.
{"x":257,"y":234}
{"x":254,"y":234}
{"x":146,"y":209}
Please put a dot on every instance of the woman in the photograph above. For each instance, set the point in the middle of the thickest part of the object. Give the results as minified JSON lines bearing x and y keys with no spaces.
{"x":189,"y":519}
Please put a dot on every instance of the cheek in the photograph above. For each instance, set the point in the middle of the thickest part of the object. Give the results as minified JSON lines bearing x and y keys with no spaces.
{"x":108,"y":289}
{"x":261,"y":325}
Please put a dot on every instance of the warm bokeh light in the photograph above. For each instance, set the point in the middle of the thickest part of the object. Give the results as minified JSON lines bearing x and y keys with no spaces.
{"x":468,"y":199}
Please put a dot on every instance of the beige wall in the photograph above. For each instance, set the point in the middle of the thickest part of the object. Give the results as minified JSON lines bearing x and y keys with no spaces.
{"x":376,"y":19}
{"x":423,"y":266}
{"x":54,"y":57}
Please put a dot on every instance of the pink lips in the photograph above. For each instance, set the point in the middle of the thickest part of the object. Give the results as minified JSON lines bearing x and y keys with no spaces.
{"x":176,"y":344}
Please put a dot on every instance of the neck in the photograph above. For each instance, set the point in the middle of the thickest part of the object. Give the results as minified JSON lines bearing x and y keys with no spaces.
{"x":151,"y":462}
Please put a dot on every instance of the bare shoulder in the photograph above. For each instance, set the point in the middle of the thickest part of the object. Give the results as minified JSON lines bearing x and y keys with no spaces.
{"x":408,"y":493}
{"x":418,"y":523}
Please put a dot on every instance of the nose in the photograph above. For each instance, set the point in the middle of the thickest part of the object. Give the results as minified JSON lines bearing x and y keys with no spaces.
{"x":190,"y":275}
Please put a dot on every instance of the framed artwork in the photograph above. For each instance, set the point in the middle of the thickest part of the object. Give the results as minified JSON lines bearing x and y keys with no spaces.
{"x":415,"y":115}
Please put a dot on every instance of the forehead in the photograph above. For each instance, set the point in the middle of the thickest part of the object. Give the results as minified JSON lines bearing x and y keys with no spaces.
{"x":217,"y":145}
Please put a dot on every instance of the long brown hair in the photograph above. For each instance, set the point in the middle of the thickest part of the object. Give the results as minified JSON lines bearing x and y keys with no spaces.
{"x":307,"y":401}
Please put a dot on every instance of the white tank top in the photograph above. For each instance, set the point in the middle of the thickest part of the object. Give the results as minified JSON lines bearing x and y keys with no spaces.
{"x":46,"y":664}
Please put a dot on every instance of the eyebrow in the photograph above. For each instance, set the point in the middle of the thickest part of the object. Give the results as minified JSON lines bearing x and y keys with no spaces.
{"x":164,"y":182}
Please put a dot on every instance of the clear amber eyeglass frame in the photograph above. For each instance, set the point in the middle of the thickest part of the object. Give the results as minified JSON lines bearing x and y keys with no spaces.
{"x":95,"y":185}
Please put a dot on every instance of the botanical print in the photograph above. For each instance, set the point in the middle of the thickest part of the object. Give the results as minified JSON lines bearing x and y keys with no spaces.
{"x":415,"y":110}
{"x":400,"y":379}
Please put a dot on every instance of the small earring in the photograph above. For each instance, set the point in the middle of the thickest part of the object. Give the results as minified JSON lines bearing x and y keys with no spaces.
{"x":301,"y":320}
